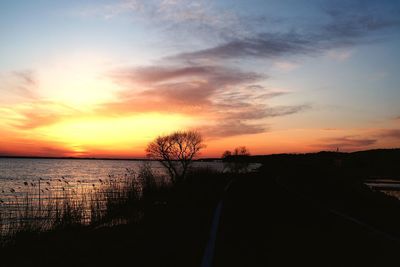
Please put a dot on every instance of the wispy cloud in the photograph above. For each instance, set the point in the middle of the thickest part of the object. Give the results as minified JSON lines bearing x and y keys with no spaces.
{"x":266,"y":45}
{"x":218,"y":75}
{"x":36,"y":113}
{"x":231,"y":100}
{"x":352,"y":20}
{"x":346,"y":143}
{"x":389,"y":133}
{"x":24,"y":146}
{"x":285,"y":110}
{"x":182,"y":86}
{"x":27,"y":76}
{"x":198,"y":82}
{"x":360,"y":141}
{"x":21,"y":84}
{"x":231,"y":128}
{"x":344,"y":26}
{"x":31,"y":120}
{"x":204,"y":17}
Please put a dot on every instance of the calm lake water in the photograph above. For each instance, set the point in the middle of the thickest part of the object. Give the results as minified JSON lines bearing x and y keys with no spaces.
{"x":387,"y":186}
{"x":17,"y":175}
{"x":29,"y":185}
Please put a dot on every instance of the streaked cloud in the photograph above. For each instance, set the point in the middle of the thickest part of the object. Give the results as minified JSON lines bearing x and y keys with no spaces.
{"x":19,"y":85}
{"x":344,"y":26}
{"x":361,"y":139}
{"x":232,"y":128}
{"x":266,"y":45}
{"x":390,"y":133}
{"x":204,"y":17}
{"x":346,"y":143}
{"x":27,"y":76}
{"x":231,"y":100}
{"x":33,"y":114}
{"x":285,"y":110}
{"x":123,"y":68}
{"x":193,"y":82}
{"x":218,"y":75}
{"x":350,"y":21}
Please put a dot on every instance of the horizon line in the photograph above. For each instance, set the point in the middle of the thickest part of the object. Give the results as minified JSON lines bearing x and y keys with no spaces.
{"x":201,"y":158}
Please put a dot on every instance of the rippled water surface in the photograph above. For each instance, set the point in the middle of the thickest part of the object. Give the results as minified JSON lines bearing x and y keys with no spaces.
{"x":19,"y":174}
{"x":31,"y":187}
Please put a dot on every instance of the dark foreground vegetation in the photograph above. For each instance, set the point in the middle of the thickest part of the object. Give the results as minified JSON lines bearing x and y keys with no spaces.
{"x":167,"y":226}
{"x":311,"y":209}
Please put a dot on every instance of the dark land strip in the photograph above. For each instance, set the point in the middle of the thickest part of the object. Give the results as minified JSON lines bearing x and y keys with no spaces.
{"x":262,"y":224}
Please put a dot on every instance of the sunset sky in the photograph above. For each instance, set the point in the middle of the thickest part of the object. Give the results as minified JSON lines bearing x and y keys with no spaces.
{"x":102,"y":78}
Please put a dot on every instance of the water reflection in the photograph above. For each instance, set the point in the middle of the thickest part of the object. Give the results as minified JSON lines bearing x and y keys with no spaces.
{"x":387,"y":186}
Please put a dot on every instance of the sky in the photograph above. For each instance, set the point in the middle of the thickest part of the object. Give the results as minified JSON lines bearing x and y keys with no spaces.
{"x":103,"y":78}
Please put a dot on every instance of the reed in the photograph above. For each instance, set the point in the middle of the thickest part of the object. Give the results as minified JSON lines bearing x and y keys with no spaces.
{"x":115,"y":199}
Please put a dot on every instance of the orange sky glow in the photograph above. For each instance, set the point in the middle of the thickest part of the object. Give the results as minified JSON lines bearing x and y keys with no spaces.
{"x":103,"y":80}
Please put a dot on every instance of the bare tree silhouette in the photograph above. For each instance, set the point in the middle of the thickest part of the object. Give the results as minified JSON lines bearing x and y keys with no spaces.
{"x":176,"y":152}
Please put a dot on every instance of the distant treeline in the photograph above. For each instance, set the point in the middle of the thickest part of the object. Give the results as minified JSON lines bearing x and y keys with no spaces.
{"x":379,"y":163}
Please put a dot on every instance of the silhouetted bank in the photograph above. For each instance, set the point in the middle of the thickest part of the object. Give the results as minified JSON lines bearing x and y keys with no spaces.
{"x":312,"y":210}
{"x":308,"y":209}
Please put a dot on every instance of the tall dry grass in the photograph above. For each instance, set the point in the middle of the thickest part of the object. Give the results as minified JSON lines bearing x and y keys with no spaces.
{"x":115,"y":199}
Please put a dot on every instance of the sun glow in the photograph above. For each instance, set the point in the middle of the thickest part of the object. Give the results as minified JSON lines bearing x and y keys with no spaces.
{"x":102,"y":80}
{"x":77,"y":80}
{"x":112,"y":133}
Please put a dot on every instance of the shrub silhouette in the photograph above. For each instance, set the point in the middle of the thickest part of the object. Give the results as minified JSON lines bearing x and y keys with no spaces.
{"x":236,"y":161}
